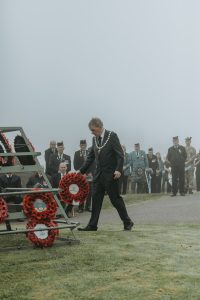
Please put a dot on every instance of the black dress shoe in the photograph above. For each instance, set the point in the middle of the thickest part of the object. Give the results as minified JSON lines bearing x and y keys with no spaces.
{"x":80,"y":210}
{"x":128,"y":226}
{"x":88,"y":228}
{"x":173,"y":195}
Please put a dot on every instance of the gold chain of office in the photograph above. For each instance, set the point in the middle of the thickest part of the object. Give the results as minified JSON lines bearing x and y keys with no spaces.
{"x":101,"y":147}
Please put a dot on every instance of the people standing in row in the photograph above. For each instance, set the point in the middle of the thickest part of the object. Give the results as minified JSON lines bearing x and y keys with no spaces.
{"x":189,"y":165}
{"x":177,"y":156}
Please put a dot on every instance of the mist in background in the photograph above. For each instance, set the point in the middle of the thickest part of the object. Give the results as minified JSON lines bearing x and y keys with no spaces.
{"x":134,"y":64}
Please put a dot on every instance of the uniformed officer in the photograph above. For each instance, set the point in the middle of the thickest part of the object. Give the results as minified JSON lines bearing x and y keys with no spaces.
{"x":138,"y":164}
{"x":177,"y":156}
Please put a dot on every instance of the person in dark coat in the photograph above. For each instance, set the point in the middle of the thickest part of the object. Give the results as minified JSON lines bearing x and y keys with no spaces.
{"x":177,"y":156}
{"x":36,"y":181}
{"x":11,"y":181}
{"x":153,"y":167}
{"x":80,"y":157}
{"x":50,"y":151}
{"x":56,"y":159}
{"x":109,"y":156}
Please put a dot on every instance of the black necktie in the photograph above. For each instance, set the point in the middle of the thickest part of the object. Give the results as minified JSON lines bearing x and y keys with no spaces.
{"x":99,"y":141}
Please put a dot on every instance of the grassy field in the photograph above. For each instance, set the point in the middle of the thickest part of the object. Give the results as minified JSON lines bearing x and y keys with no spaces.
{"x":151,"y":262}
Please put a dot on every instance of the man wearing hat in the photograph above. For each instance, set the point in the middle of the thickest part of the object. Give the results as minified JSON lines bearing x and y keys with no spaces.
{"x":189,"y":165}
{"x":177,"y":156}
{"x":56,"y":159}
{"x":138,"y":164}
{"x":79,"y":159}
{"x":153,"y":168}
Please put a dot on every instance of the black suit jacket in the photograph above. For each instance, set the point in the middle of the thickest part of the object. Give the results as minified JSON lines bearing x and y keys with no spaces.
{"x":109,"y":160}
{"x":47,"y":155}
{"x":54,"y":162}
{"x":177,"y":157}
{"x":79,"y":161}
{"x":13,"y":182}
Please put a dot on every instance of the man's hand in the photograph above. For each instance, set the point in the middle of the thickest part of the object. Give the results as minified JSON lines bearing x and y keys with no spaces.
{"x":117,"y":174}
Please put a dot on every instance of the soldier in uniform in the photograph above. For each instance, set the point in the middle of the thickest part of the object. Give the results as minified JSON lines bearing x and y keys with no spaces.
{"x":56,"y":159}
{"x":189,"y":165}
{"x":177,"y":156}
{"x":138,"y":164}
{"x":154,"y":169}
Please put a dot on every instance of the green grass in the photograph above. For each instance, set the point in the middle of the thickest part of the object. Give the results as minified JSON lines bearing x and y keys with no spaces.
{"x":151,"y":262}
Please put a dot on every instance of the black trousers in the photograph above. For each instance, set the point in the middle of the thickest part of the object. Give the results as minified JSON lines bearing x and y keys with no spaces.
{"x":100,"y":186}
{"x":153,"y":183}
{"x":88,"y":200}
{"x":123,"y":182}
{"x":178,"y":179}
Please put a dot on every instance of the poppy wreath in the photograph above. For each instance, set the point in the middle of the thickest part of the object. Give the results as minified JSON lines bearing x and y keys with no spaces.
{"x":43,"y":238}
{"x":5,"y":147}
{"x":3,"y":210}
{"x":41,"y":212}
{"x":67,"y":181}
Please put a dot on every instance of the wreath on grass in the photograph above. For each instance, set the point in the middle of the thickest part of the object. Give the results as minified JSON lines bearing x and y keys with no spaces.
{"x":40,"y":206}
{"x":74,"y":188}
{"x":3,"y":210}
{"x":5,"y":147}
{"x":44,"y":238}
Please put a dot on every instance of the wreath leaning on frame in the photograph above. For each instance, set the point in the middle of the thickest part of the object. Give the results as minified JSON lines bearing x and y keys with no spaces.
{"x":74,"y":188}
{"x":43,"y":238}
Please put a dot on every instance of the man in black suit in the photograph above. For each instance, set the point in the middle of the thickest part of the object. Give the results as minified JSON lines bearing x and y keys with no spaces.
{"x":51,"y":150}
{"x":107,"y":151}
{"x":177,"y":156}
{"x":11,"y":181}
{"x":80,"y":157}
{"x":56,"y":159}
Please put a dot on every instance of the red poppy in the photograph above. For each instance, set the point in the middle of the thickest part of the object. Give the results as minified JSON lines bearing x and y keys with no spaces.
{"x":44,"y":238}
{"x":74,"y":188}
{"x":40,"y":206}
{"x":3,"y":210}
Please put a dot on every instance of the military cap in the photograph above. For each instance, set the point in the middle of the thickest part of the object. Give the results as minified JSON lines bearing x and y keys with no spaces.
{"x":59,"y":143}
{"x":83,"y":142}
{"x":137,"y":144}
{"x":150,"y":149}
{"x":175,"y":137}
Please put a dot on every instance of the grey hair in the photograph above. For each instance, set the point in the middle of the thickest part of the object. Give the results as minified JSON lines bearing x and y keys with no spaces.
{"x":95,"y":122}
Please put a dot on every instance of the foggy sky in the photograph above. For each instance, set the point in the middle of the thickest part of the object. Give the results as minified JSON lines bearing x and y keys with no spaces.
{"x":134,"y":64}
